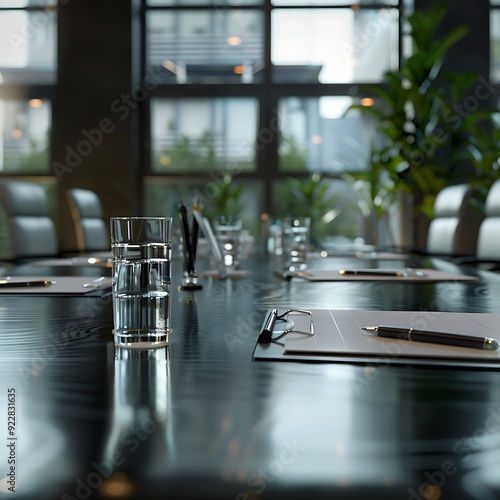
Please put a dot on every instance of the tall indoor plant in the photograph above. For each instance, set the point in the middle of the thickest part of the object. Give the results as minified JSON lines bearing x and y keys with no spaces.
{"x":427,"y":139}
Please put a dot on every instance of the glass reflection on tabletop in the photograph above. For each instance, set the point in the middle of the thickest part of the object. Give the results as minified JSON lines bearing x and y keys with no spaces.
{"x":138,"y":441}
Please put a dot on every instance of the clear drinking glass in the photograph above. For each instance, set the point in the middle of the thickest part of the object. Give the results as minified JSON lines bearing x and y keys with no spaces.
{"x":296,"y":234}
{"x":141,"y":285}
{"x":227,"y":230}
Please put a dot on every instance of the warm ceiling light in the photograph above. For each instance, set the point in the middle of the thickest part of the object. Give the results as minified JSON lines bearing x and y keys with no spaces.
{"x":367,"y":101}
{"x":16,"y":133}
{"x":35,"y":103}
{"x":238,"y":69}
{"x":234,"y":40}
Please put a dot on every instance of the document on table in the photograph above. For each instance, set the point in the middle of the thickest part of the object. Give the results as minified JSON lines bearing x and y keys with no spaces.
{"x":55,"y":285}
{"x":339,"y":336}
{"x":369,"y":255}
{"x":378,"y":274}
{"x":74,"y":262}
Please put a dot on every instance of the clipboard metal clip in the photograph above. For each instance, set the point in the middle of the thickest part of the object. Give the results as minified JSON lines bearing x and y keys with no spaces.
{"x":266,"y":334}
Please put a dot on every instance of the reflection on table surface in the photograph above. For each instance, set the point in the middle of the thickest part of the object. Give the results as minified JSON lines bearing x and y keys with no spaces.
{"x":207,"y":421}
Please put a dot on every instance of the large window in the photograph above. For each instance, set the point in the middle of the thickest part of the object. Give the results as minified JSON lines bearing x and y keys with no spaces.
{"x":201,"y":135}
{"x":27,"y":74}
{"x":495,"y":41}
{"x":258,"y":92}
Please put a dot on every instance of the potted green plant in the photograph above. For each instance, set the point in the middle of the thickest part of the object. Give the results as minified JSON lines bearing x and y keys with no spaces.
{"x":376,"y":194}
{"x":309,"y":197}
{"x":426,"y":144}
{"x":227,"y":199}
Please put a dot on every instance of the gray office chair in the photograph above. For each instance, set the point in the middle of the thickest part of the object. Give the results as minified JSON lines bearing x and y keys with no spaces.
{"x":454,"y":229}
{"x":488,"y":243}
{"x":32,"y":230}
{"x":86,"y":211}
{"x":487,"y":253}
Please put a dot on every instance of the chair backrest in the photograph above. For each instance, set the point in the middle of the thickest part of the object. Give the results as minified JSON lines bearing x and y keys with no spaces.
{"x":86,"y":211}
{"x":454,"y":229}
{"x":488,"y":240}
{"x":32,"y":230}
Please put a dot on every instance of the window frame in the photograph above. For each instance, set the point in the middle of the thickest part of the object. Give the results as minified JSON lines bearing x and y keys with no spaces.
{"x":267,"y":93}
{"x":27,"y":91}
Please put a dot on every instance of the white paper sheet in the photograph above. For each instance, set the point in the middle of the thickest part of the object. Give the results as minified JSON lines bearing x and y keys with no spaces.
{"x":74,"y":262}
{"x":427,"y":276}
{"x":340,"y":332}
{"x":62,"y":285}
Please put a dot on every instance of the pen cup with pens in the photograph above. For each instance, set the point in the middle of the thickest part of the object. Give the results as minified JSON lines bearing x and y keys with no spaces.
{"x":189,"y":236}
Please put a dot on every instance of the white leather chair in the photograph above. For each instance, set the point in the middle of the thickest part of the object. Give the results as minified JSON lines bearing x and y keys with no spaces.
{"x":90,"y":228}
{"x":454,"y":229}
{"x":32,"y":230}
{"x":487,"y":253}
{"x":488,"y":243}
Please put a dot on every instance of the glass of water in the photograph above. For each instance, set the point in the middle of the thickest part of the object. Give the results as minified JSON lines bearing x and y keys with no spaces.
{"x":296,"y":234}
{"x":227,"y":230}
{"x":141,"y":283}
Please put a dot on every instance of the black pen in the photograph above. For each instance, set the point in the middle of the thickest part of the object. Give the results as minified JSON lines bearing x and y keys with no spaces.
{"x":186,"y":238}
{"x":15,"y":284}
{"x":454,"y":339}
{"x":371,"y":272}
{"x":266,"y":333}
{"x":195,"y":229}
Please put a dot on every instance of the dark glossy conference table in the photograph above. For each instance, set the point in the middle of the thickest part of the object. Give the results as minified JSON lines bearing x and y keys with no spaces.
{"x":212,"y":423}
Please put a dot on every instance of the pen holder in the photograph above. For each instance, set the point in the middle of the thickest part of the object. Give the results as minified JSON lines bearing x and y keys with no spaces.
{"x":189,"y":275}
{"x":190,"y":281}
{"x":189,"y":240}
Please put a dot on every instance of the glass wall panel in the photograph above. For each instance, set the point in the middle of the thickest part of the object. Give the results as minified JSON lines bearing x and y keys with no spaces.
{"x":495,"y":45}
{"x":197,"y":142}
{"x":24,"y":136}
{"x":334,"y":2}
{"x":203,"y":135}
{"x":333,"y":45}
{"x":320,"y":134}
{"x":27,"y":47}
{"x":214,"y":3}
{"x":28,"y":3}
{"x":205,"y":46}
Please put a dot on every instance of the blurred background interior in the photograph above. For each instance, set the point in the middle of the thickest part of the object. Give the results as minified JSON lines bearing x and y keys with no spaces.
{"x":356,"y":114}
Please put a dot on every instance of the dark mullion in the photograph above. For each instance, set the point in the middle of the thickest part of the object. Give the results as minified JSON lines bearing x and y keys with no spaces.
{"x":140,"y":116}
{"x":248,"y":90}
{"x":267,"y":141}
{"x":401,"y":13}
{"x":266,"y":2}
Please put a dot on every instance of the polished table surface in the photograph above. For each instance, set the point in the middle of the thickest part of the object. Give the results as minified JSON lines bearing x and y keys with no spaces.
{"x":92,"y":421}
